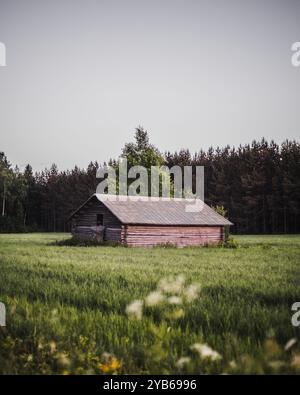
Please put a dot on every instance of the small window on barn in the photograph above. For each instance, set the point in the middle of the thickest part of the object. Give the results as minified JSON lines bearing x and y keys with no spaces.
{"x":99,"y":219}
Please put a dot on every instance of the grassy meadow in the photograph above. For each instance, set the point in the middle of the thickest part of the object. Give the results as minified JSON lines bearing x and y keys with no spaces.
{"x":67,"y":307}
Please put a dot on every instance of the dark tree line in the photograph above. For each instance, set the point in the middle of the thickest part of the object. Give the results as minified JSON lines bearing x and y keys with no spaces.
{"x":258,"y":184}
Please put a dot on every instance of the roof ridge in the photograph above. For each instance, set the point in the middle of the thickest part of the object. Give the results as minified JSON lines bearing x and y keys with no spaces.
{"x":106,"y":196}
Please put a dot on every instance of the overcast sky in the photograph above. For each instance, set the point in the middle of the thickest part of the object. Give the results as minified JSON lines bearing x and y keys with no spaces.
{"x":82,"y":74}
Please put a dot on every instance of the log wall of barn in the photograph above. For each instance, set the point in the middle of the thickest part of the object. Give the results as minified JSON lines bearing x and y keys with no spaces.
{"x":87,"y":217}
{"x":150,"y":235}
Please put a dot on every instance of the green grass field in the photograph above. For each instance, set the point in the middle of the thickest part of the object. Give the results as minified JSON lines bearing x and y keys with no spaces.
{"x":66,"y":307}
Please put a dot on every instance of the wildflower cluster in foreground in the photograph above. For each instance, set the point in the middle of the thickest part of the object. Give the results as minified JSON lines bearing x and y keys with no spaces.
{"x":171,"y":298}
{"x":171,"y":291}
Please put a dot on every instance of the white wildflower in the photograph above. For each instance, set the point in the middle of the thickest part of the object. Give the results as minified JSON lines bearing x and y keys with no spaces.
{"x":206,"y":352}
{"x":135,"y":309}
{"x":182,"y":361}
{"x":290,"y":344}
{"x":192,"y":292}
{"x":174,"y":300}
{"x":154,"y":298}
{"x":173,"y":285}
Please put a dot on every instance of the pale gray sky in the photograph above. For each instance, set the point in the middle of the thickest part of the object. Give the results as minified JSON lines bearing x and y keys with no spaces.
{"x":82,"y":74}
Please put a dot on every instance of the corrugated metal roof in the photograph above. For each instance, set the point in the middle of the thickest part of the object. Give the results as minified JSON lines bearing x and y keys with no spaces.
{"x":161,"y":211}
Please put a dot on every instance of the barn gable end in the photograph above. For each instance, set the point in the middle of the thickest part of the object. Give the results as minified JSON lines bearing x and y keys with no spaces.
{"x":84,"y":222}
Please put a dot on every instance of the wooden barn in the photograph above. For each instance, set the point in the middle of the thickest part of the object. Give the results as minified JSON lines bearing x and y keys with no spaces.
{"x":148,"y":221}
